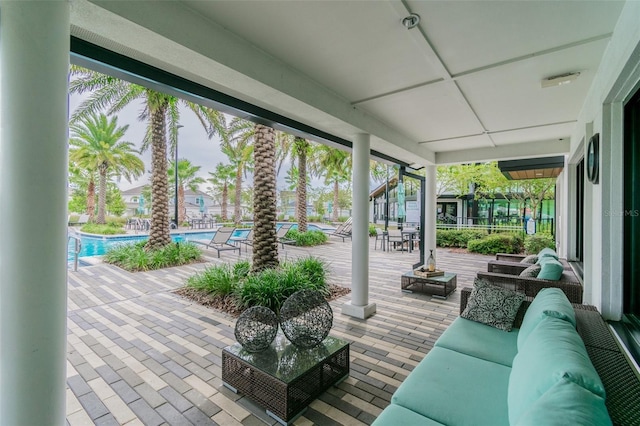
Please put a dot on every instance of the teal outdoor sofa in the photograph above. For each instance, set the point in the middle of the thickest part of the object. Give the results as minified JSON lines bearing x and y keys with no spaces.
{"x":540,"y":373}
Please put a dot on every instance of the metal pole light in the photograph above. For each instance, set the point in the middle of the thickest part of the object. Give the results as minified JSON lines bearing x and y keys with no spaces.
{"x":175,"y":176}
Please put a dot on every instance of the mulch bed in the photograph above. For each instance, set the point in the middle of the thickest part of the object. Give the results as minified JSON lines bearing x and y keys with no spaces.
{"x":227,"y":304}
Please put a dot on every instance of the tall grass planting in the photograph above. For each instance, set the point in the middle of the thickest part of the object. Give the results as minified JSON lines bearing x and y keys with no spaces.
{"x":269,"y":287}
{"x":134,"y":257}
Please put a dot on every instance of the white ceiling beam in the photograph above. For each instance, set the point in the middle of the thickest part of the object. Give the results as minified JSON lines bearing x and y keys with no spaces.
{"x":505,"y":152}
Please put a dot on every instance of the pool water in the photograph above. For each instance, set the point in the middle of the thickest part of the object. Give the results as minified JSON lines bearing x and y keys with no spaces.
{"x":97,"y":246}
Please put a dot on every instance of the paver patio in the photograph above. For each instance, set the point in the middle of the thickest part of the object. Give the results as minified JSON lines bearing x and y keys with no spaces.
{"x":139,"y":354}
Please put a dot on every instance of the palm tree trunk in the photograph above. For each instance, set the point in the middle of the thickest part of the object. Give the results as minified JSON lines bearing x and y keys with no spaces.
{"x":237,"y":214}
{"x":102,"y":194}
{"x":225,"y":198}
{"x":336,"y":193}
{"x":265,"y":243}
{"x":182,"y":210}
{"x":159,"y":235}
{"x":301,"y":190}
{"x":91,"y":199}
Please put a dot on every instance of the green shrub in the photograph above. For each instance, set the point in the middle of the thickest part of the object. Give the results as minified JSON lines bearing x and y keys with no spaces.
{"x":497,"y":243}
{"x":457,"y":237}
{"x":372,"y":230}
{"x":534,"y":243}
{"x":271,"y":287}
{"x":317,"y":218}
{"x":220,"y":280}
{"x":313,"y":271}
{"x":306,"y":239}
{"x":134,"y":256}
{"x":117,"y":220}
{"x":108,"y":229}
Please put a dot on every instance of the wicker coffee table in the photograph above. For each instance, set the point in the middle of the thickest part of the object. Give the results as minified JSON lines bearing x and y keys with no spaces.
{"x":440,"y":286}
{"x":285,"y":379}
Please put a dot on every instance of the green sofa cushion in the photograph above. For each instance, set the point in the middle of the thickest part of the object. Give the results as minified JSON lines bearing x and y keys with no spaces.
{"x":548,"y":302}
{"x":395,"y":415}
{"x":551,"y":270}
{"x":552,"y":352}
{"x":566,"y":402}
{"x":456,"y":389}
{"x":477,"y":340}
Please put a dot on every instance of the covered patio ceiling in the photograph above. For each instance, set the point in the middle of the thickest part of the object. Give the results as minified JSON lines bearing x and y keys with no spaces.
{"x":464,"y":85}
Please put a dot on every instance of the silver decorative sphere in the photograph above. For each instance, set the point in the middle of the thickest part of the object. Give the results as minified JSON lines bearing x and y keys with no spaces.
{"x":306,"y":318}
{"x":256,"y":328}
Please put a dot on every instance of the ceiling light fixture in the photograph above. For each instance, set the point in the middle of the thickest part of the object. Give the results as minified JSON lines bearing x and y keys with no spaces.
{"x":559,"y":80}
{"x":411,"y":21}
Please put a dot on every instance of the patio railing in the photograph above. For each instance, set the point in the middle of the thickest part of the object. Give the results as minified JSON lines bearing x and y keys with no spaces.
{"x":497,"y":224}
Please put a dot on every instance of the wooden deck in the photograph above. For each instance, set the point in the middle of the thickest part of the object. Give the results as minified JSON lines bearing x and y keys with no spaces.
{"x":139,"y":354}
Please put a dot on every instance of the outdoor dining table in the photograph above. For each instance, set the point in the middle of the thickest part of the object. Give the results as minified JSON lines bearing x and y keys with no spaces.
{"x":409,"y":233}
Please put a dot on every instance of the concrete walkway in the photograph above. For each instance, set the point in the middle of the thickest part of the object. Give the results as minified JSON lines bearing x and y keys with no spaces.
{"x":140,"y":355}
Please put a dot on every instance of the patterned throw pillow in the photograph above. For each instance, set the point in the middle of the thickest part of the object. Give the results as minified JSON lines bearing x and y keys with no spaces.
{"x":532,"y":258}
{"x":493,"y":306}
{"x":531,"y":272}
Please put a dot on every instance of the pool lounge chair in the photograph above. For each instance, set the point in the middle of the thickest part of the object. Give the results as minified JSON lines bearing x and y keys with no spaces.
{"x":282,"y":233}
{"x":342,"y":231}
{"x":247,"y":240}
{"x":220,"y":240}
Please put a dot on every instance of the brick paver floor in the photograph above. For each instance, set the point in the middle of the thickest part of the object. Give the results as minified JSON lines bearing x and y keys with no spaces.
{"x":140,"y":355}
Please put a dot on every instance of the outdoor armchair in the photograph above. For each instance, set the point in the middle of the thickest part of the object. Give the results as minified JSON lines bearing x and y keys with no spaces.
{"x":568,"y":283}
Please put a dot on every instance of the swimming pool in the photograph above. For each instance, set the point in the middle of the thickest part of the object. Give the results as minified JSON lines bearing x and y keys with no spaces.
{"x":98,"y":245}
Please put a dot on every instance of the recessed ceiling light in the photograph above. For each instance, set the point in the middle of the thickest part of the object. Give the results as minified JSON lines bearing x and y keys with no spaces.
{"x":559,"y":80}
{"x":411,"y":21}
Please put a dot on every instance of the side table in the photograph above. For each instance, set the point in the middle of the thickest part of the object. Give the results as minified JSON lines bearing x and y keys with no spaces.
{"x":440,"y":286}
{"x":285,"y":379}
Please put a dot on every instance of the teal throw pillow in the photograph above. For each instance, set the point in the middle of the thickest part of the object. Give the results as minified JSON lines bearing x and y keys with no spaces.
{"x":493,"y":306}
{"x":551,"y":269}
{"x":547,"y":252}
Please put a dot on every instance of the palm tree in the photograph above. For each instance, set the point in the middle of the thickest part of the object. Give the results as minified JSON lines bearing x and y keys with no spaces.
{"x":221,"y":180}
{"x":238,"y":147}
{"x":96,"y":145}
{"x":186,"y":179}
{"x":301,"y":148}
{"x":83,"y":181}
{"x":265,"y":243}
{"x":335,"y":165}
{"x":160,"y":111}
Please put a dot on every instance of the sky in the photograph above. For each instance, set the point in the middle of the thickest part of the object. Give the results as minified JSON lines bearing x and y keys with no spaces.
{"x":193,"y":144}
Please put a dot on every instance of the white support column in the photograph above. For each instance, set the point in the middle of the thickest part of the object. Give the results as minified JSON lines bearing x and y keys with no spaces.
{"x":430,"y":200}
{"x":34,"y":66}
{"x":359,"y":306}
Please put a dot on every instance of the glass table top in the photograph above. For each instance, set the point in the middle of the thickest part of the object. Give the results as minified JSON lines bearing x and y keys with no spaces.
{"x":441,"y":278}
{"x":285,"y":361}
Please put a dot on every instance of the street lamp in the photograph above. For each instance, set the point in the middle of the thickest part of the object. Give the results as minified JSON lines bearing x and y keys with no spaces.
{"x":175,"y":177}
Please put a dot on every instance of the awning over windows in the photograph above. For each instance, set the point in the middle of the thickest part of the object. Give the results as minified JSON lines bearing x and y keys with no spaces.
{"x":532,"y":168}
